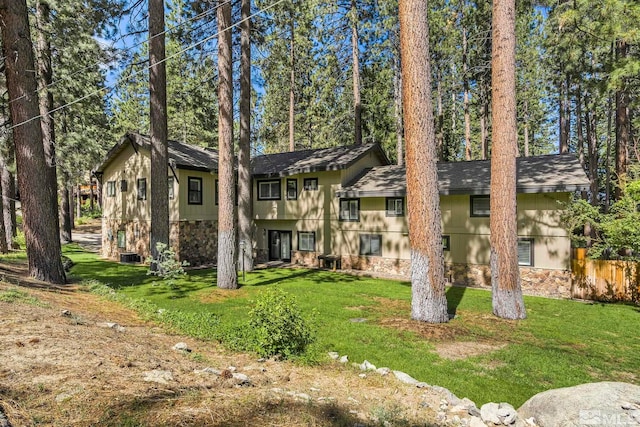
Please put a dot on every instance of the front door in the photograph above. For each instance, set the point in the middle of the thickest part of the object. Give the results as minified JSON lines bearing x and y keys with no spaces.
{"x":279,"y":245}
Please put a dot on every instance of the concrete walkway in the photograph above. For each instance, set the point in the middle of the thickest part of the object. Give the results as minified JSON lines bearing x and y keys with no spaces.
{"x":89,"y":241}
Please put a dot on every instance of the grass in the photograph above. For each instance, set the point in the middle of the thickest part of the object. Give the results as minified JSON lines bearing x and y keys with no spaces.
{"x":15,"y":295}
{"x":562,"y":343}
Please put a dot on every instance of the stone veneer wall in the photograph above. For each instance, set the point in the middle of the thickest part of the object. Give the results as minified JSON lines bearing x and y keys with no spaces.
{"x":137,"y":238}
{"x":197,"y":241}
{"x":308,"y":259}
{"x":534,"y":281}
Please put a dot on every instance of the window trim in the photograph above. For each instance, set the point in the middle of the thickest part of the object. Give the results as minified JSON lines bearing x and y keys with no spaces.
{"x":141,"y":184}
{"x":262,"y":181}
{"x":369,"y":236}
{"x":531,"y":242}
{"x":472,"y":212}
{"x":446,"y":242}
{"x":293,"y":181}
{"x":313,"y":234}
{"x":394,"y":213}
{"x":349,"y":219}
{"x":306,"y":184}
{"x":121,"y":239}
{"x":111,"y":188}
{"x":197,"y":179}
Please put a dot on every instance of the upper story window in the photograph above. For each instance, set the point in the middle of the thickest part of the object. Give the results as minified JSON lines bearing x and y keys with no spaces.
{"x":269,"y":190}
{"x":292,"y":189}
{"x":123,"y":185}
{"x":349,"y":209}
{"x":311,"y":184}
{"x":170,"y":187}
{"x":395,"y":206}
{"x":142,"y":188}
{"x":525,"y":252}
{"x":371,"y":244}
{"x":111,"y":188}
{"x":306,"y":241}
{"x":480,"y":205}
{"x":194,"y":196}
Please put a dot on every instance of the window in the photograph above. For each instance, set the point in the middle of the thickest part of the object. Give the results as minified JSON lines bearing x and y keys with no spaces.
{"x":446,"y":243}
{"x":306,"y":241}
{"x":142,"y":188}
{"x":311,"y":184}
{"x":170,"y":187}
{"x":122,"y":239}
{"x":292,"y":189}
{"x":111,"y":188}
{"x":480,"y":205}
{"x":195,"y":191}
{"x":123,"y":185}
{"x":269,"y":190}
{"x":349,"y":209}
{"x":371,"y":244}
{"x":395,"y":206}
{"x":525,"y":252}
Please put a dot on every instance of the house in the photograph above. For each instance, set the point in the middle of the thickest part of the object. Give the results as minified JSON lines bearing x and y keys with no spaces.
{"x":346,"y":205}
{"x":125,"y":174}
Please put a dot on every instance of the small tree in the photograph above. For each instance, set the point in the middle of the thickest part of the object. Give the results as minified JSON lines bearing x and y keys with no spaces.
{"x":166,"y":265}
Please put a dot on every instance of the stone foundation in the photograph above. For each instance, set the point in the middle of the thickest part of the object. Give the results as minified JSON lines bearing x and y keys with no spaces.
{"x":308,"y":259}
{"x":193,"y":241}
{"x":374,"y":264}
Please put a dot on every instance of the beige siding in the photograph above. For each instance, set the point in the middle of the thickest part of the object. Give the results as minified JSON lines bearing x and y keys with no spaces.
{"x":208,"y":209}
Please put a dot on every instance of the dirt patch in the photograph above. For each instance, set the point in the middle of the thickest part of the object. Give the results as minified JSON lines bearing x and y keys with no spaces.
{"x":463,"y":349}
{"x":215,"y":295}
{"x":69,"y":368}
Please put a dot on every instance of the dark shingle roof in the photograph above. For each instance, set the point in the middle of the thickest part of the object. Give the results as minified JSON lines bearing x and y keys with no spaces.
{"x":537,"y":174}
{"x":183,"y":156}
{"x":304,"y":161}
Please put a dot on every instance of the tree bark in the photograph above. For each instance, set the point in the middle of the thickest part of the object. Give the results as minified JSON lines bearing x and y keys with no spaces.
{"x":292,"y":87}
{"x":565,"y":116}
{"x":4,"y":248}
{"x":355,"y":49}
{"x":65,"y":212}
{"x":623,"y":126}
{"x":428,"y":300}
{"x":8,"y":184}
{"x":78,"y":201}
{"x":244,"y":145}
{"x":397,"y":103}
{"x":227,"y":276}
{"x":505,"y":276}
{"x":465,"y":101}
{"x":38,"y":195}
{"x":158,"y":122}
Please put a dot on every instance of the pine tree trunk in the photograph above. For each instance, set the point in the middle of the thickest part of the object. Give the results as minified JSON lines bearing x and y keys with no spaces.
{"x":91,"y":195}
{"x":428,"y":300}
{"x":78,"y":201}
{"x":465,"y":86}
{"x":357,"y":105}
{"x":227,"y":276}
{"x":244,"y":145}
{"x":440,"y":120}
{"x":38,"y":195}
{"x":4,"y":248}
{"x":397,"y":103}
{"x":565,"y":116}
{"x":158,"y":122}
{"x":8,"y":184}
{"x":505,"y":276}
{"x":623,"y":126}
{"x":65,"y":212}
{"x":292,"y":86}
{"x":526,"y":129}
{"x":592,"y":147}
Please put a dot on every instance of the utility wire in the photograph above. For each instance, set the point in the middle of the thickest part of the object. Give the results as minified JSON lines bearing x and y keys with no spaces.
{"x":135,"y":73}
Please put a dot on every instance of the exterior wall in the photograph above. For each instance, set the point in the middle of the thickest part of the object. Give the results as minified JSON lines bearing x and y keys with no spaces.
{"x":182,"y":210}
{"x":136,"y":237}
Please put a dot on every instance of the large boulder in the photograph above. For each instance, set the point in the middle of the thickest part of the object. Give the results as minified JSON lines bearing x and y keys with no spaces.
{"x":602,"y":404}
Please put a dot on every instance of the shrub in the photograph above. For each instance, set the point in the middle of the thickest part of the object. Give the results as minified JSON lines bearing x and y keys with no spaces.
{"x":166,"y":265}
{"x":278,"y":326}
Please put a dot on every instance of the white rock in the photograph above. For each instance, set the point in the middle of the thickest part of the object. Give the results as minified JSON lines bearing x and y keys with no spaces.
{"x":111,"y":325}
{"x":181,"y":346}
{"x":158,"y":376}
{"x":241,"y":379}
{"x":208,"y":371}
{"x":334,"y":355}
{"x":344,"y":359}
{"x":476,"y":422}
{"x":363,"y":375}
{"x":232,"y":369}
{"x":507,"y":414}
{"x":383,"y":371}
{"x":367,"y":366}
{"x":489,"y":413}
{"x":405,"y":378}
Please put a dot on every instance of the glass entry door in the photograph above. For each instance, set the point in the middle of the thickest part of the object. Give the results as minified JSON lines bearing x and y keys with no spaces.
{"x":279,"y":245}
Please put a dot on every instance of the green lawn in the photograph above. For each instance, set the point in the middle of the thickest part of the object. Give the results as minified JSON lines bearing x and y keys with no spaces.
{"x":562,"y":343}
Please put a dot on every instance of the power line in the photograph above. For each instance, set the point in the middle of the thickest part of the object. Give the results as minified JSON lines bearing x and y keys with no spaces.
{"x":135,"y":73}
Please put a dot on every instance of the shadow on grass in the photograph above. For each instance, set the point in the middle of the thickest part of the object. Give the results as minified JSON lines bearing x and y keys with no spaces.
{"x":454,"y":297}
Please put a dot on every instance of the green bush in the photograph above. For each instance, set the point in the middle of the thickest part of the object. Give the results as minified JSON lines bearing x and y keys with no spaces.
{"x":278,"y":327}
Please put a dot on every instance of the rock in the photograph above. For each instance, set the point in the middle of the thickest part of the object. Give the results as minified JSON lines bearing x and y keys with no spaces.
{"x":585,"y":404}
{"x":65,"y":313}
{"x":358,"y":320}
{"x":334,"y":355}
{"x":383,"y":371}
{"x":363,"y":375}
{"x":241,"y":379}
{"x":466,"y":406}
{"x":344,"y":359}
{"x":208,"y":371}
{"x":405,"y":378}
{"x":158,"y":376}
{"x":452,"y":398}
{"x":232,"y":369}
{"x":507,"y":414}
{"x":476,"y":422}
{"x":367,"y":366}
{"x":489,"y":413}
{"x":181,"y":346}
{"x":111,"y":325}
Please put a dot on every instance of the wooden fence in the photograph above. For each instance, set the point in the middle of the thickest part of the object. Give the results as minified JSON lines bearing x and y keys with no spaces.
{"x":604,"y":280}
